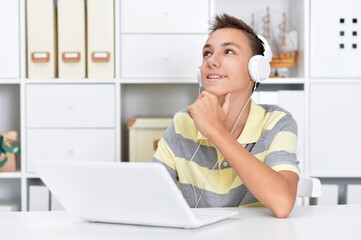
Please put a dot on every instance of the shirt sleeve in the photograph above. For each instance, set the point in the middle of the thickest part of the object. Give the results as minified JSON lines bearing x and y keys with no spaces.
{"x":164,"y":154}
{"x":282,"y":153}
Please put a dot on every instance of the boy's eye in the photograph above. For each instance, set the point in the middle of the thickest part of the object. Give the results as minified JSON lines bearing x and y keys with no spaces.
{"x":206,"y":53}
{"x":229,"y":51}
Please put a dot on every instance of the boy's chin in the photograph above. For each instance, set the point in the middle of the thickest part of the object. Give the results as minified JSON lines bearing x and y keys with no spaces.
{"x":217,"y":92}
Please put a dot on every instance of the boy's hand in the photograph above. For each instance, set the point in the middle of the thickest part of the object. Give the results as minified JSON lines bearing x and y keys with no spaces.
{"x":208,"y":114}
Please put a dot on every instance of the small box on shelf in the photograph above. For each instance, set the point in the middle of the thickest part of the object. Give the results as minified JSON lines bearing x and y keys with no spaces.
{"x":39,"y":198}
{"x":8,"y":152}
{"x":8,"y":206}
{"x":144,"y":135}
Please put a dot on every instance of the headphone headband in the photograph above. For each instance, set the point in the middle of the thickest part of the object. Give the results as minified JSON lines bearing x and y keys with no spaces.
{"x":267,"y":48}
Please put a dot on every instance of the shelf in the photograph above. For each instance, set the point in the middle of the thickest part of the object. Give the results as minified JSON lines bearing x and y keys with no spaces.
{"x":71,"y":80}
{"x":335,"y":80}
{"x":334,"y":174}
{"x":162,"y":33}
{"x":285,"y":81}
{"x":158,"y":80}
{"x":10,"y":174}
{"x":31,"y":175}
{"x":10,"y":81}
{"x":194,"y":81}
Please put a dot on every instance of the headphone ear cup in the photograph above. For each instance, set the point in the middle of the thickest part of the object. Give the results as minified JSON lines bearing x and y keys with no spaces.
{"x":259,"y":68}
{"x":199,"y":77}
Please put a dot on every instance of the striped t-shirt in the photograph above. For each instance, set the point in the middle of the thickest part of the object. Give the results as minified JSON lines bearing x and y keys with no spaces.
{"x":270,"y":134}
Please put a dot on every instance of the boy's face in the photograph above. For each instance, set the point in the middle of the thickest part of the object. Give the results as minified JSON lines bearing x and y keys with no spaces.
{"x":225,"y":63}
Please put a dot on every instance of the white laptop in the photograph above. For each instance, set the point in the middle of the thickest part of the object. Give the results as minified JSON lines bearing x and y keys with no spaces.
{"x":130,"y":193}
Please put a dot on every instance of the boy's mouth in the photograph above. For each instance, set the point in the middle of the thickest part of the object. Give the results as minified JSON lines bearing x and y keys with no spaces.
{"x":215,"y":76}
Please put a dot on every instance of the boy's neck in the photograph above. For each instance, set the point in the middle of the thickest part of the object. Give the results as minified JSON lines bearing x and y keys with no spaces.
{"x":236,"y":106}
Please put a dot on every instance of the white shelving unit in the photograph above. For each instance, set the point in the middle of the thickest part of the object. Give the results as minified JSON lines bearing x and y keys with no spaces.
{"x":140,"y":88}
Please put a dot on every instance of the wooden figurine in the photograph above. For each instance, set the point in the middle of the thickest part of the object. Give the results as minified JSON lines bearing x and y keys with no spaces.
{"x":284,"y":59}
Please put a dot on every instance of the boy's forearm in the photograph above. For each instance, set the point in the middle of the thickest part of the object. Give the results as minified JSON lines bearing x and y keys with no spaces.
{"x":271,"y":188}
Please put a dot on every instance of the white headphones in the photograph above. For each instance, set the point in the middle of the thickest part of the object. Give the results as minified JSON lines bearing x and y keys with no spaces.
{"x":258,"y":66}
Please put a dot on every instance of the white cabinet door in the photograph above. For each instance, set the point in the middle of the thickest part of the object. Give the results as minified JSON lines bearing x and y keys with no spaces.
{"x":335,"y":39}
{"x":161,"y":56}
{"x":164,"y":16}
{"x":70,"y":145}
{"x":335,"y":130}
{"x":9,"y":39}
{"x":70,"y":105}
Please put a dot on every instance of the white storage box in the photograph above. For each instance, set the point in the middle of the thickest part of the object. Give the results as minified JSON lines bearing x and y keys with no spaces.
{"x":39,"y":197}
{"x":71,"y":38}
{"x":100,"y":41}
{"x":41,"y":42}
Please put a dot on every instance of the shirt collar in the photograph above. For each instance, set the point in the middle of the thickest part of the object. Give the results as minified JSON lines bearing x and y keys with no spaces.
{"x":253,"y":128}
{"x":252,"y":131}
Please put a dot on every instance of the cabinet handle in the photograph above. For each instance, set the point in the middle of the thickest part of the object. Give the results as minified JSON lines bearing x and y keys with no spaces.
{"x":39,"y":57}
{"x":100,"y":56}
{"x":71,"y":56}
{"x":130,"y":122}
{"x":165,"y":56}
{"x":155,"y":144}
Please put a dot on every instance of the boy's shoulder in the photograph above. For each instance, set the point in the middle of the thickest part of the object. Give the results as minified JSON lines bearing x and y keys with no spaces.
{"x":274,"y":109}
{"x":182,"y":116}
{"x":274,"y":114}
{"x":183,"y":123}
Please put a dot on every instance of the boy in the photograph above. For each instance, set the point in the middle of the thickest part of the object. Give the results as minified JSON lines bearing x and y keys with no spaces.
{"x":218,"y":160}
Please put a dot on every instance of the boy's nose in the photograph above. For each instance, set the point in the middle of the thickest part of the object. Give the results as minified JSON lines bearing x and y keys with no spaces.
{"x":213,"y":61}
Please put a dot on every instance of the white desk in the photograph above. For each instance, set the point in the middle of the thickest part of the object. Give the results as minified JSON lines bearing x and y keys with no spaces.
{"x":311,"y":222}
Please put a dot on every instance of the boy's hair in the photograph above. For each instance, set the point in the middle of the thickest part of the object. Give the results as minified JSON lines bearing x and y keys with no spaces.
{"x":227,"y":21}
